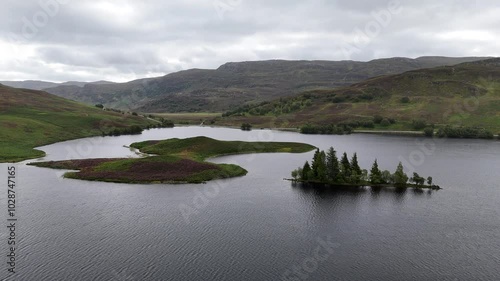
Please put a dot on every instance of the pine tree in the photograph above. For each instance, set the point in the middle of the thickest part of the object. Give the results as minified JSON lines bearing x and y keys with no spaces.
{"x":321,"y":166}
{"x":306,"y":171}
{"x":355,"y":165}
{"x":345,"y":168}
{"x":375,"y":174}
{"x":400,"y":178}
{"x":356,"y":172}
{"x":332,"y":166}
{"x":315,"y":164}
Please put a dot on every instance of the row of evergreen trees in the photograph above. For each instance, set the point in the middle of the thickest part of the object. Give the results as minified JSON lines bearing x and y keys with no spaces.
{"x":325,"y":129}
{"x":132,"y":130}
{"x":327,"y":168}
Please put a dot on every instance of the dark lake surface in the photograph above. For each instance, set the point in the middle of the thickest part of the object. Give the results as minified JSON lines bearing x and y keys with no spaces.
{"x":259,"y":227}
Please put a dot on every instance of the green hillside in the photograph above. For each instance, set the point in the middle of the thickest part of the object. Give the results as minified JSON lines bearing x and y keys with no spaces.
{"x":237,"y":83}
{"x":463,"y":95}
{"x":30,"y":118}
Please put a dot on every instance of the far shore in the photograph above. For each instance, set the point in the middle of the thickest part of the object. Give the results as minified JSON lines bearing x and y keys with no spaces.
{"x":297,"y":130}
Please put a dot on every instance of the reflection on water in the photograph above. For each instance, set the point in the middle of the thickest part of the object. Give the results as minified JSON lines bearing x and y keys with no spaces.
{"x":327,"y":192}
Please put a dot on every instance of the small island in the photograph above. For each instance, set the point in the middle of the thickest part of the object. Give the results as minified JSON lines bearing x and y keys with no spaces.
{"x":326,"y":168}
{"x":172,"y":161}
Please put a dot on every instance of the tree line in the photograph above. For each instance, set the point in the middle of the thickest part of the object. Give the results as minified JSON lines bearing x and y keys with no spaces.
{"x":327,"y":168}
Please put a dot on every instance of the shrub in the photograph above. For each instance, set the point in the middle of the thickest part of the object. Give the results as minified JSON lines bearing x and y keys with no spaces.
{"x":405,"y":100}
{"x":101,"y":106}
{"x":387,"y":177}
{"x":246,"y":127}
{"x":133,"y":130}
{"x":167,"y":123}
{"x":429,"y":132}
{"x":368,"y":124}
{"x":377,"y":119}
{"x":419,"y":124}
{"x":338,"y":99}
{"x":417,"y":179}
{"x":385,"y":122}
{"x":325,"y":129}
{"x":366,"y":96}
{"x":464,"y":132}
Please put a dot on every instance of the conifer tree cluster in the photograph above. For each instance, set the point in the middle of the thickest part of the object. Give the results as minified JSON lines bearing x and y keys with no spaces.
{"x":328,"y":168}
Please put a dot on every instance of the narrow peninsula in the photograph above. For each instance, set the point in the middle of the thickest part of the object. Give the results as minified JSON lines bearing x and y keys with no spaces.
{"x":173,"y":161}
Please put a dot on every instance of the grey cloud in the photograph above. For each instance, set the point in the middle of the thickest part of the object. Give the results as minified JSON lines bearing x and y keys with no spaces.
{"x":122,"y":39}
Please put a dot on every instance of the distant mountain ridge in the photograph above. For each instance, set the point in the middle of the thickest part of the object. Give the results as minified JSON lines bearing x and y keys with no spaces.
{"x":466,"y":94}
{"x":236,"y":83}
{"x":41,"y":85}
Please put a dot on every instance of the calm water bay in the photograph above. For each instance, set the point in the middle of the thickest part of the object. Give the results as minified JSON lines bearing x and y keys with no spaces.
{"x":260,"y":227}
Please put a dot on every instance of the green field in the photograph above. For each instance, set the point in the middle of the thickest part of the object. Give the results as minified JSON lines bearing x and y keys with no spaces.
{"x":29,"y":119}
{"x":176,"y":161}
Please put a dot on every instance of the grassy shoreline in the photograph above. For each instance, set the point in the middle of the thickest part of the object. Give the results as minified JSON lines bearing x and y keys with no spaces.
{"x":402,"y":133}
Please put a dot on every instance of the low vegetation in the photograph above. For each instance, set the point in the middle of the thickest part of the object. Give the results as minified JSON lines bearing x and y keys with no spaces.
{"x":326,"y":168}
{"x":246,"y":127}
{"x":464,"y":132}
{"x":325,"y":129}
{"x":175,"y":161}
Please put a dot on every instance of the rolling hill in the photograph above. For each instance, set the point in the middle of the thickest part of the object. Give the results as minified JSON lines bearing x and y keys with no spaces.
{"x":234,"y":84}
{"x":467,"y":94}
{"x":30,"y":118}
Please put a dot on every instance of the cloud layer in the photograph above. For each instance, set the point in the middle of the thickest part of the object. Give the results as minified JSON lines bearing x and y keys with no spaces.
{"x":120,"y":40}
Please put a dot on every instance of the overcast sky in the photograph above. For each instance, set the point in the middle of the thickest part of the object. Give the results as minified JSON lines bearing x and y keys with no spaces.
{"x":120,"y":40}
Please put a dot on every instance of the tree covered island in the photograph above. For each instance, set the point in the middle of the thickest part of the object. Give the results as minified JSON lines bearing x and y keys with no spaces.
{"x":326,"y":168}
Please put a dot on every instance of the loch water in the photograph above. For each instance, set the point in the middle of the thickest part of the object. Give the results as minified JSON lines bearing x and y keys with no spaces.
{"x":260,"y":227}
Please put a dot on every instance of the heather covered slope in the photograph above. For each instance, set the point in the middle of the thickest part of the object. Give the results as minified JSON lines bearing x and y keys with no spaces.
{"x":463,"y":95}
{"x":30,"y":118}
